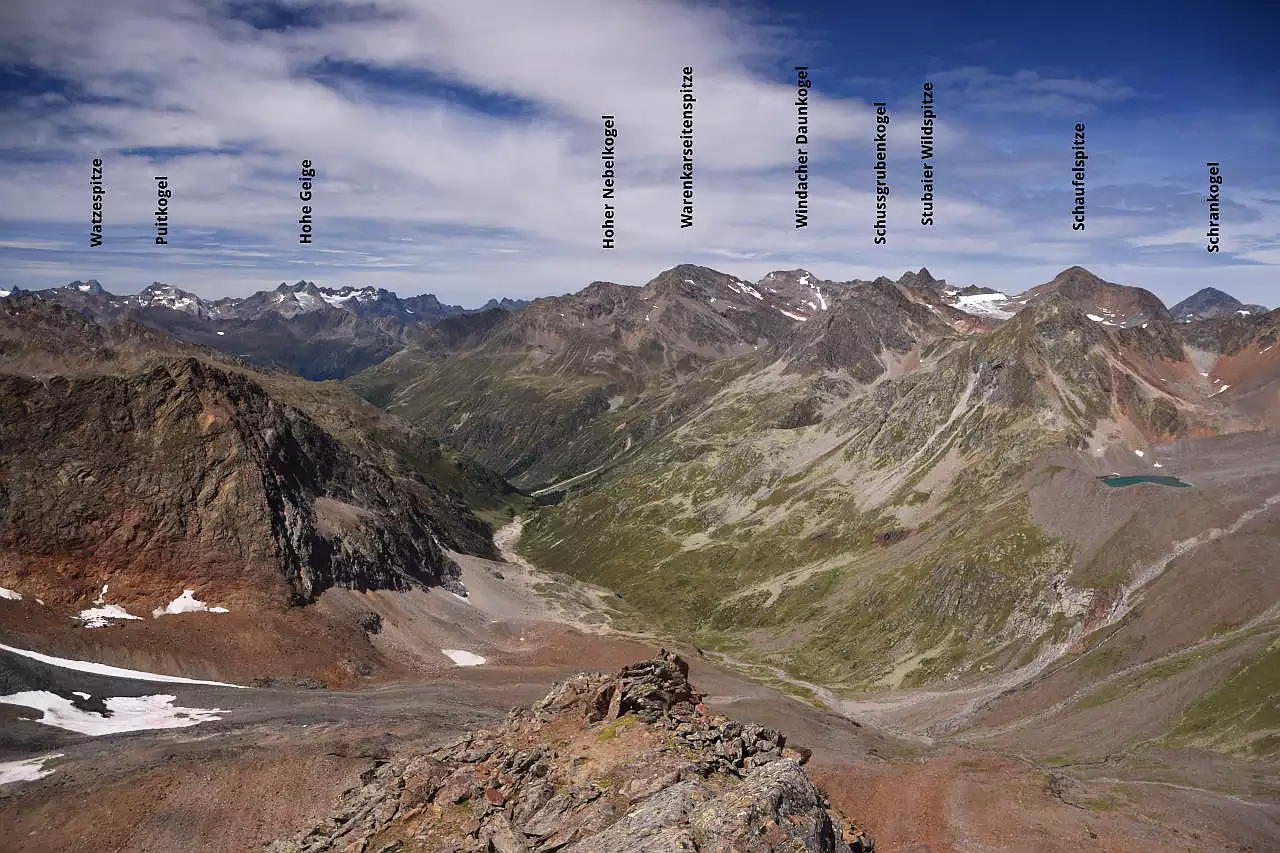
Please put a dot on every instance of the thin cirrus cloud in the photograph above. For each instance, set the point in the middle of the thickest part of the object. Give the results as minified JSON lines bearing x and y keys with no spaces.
{"x":458,"y":152}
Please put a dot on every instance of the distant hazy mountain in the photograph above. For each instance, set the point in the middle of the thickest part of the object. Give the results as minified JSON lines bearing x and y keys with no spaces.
{"x":1209,"y":303}
{"x":316,"y":332}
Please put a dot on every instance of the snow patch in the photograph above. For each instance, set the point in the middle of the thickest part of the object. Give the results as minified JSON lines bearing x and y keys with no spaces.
{"x":186,"y":603}
{"x":799,"y":317}
{"x":220,"y":334}
{"x":4,"y":293}
{"x":822,"y":299}
{"x":1094,"y":317}
{"x":10,"y":594}
{"x":100,"y":617}
{"x":124,"y":713}
{"x":1220,"y":390}
{"x":1139,"y":453}
{"x":463,"y":658}
{"x":110,"y":671}
{"x":742,"y":287}
{"x":29,"y":769}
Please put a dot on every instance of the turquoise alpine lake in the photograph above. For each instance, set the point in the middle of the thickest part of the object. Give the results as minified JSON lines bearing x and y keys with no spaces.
{"x":1121,"y":482}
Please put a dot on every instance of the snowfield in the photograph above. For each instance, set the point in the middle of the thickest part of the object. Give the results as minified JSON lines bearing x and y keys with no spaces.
{"x":124,"y":713}
{"x":111,"y":671}
{"x":984,"y":305}
{"x":10,"y":594}
{"x":27,"y":770}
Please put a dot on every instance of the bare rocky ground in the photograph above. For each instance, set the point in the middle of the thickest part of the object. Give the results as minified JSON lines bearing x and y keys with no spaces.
{"x":281,"y":756}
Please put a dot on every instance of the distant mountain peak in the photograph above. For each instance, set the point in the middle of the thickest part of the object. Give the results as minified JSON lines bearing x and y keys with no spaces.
{"x":1209,"y":303}
{"x":91,"y":287}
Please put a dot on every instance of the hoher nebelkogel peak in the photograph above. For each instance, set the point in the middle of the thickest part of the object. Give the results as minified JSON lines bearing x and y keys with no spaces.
{"x":949,"y":538}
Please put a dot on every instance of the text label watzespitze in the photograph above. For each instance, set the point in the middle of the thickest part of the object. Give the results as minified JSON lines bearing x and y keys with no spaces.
{"x":96,"y":191}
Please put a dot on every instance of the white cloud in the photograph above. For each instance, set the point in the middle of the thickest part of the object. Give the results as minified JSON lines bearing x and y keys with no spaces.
{"x":427,"y":187}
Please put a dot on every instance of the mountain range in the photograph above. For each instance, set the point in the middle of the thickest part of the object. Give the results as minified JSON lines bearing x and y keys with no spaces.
{"x":1040,"y":524}
{"x":317,"y":333}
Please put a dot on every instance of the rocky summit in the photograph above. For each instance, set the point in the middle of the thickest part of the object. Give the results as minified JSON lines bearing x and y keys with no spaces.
{"x":625,"y":763}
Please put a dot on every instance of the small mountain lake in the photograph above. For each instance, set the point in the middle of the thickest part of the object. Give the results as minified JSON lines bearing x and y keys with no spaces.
{"x":1120,"y":482}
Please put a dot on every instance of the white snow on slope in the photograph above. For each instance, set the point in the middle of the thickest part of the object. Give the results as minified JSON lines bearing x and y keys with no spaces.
{"x":4,"y":293}
{"x":463,"y":658}
{"x":817,"y":291}
{"x":743,"y":287}
{"x":10,"y":594}
{"x":1095,"y":318}
{"x":800,"y":317}
{"x":127,"y":713}
{"x":1139,"y":453}
{"x":27,"y":770}
{"x":100,"y":617}
{"x":984,"y":305}
{"x":186,"y":603}
{"x":111,"y":671}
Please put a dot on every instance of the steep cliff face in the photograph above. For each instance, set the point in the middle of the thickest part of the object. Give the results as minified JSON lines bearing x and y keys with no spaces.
{"x":185,"y":472}
{"x":42,"y":339}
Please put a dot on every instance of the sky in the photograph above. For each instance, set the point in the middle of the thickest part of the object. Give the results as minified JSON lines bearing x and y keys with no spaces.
{"x":457,"y":145}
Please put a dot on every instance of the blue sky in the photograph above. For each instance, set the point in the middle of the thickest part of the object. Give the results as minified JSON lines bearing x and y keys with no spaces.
{"x":457,"y":144}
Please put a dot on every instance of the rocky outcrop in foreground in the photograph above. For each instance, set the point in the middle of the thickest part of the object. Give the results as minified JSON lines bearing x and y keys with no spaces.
{"x":626,"y":763}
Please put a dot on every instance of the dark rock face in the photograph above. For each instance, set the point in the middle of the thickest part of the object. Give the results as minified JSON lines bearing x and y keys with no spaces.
{"x":186,"y":472}
{"x":603,"y":764}
{"x":866,"y":324}
{"x":1209,"y":303}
